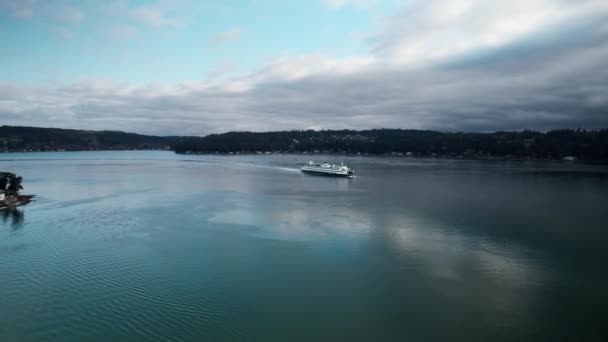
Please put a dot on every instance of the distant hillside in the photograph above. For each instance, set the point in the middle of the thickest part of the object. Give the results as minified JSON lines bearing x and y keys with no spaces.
{"x":526,"y":144}
{"x":556,"y":144}
{"x":52,"y":139}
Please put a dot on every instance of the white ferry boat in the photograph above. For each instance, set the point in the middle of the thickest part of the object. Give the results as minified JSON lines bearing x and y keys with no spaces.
{"x":327,"y":169}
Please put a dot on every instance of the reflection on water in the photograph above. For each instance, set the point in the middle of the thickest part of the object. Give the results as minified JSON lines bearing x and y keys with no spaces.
{"x":290,"y":218}
{"x":12,"y":217}
{"x":156,"y":246}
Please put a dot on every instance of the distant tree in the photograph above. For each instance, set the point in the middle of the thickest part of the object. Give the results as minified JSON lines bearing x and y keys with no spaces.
{"x":14,"y":185}
{"x":4,"y":179}
{"x":10,"y":183}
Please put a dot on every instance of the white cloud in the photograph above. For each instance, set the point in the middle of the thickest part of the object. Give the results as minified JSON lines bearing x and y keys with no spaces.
{"x":295,"y":67}
{"x":62,"y":32}
{"x":160,"y":13}
{"x":28,"y":9}
{"x":220,"y":71}
{"x":22,"y":9}
{"x":225,"y":37}
{"x":157,"y":15}
{"x":430,"y":31}
{"x":335,"y":4}
{"x":121,"y":32}
{"x":70,"y":15}
{"x":292,"y":67}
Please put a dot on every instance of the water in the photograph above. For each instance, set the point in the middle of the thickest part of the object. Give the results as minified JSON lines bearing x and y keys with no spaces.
{"x":123,"y":246}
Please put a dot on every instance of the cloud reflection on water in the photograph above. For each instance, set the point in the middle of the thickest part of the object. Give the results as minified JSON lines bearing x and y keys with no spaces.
{"x":449,"y":253}
{"x":288,"y":219}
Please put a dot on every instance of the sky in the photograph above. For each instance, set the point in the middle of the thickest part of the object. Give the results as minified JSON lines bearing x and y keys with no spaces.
{"x":187,"y":67}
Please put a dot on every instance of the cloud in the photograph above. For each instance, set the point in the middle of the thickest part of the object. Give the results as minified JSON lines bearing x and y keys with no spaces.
{"x":27,"y":9}
{"x":225,"y":37}
{"x":62,"y":32}
{"x":220,"y":71}
{"x":120,"y":32}
{"x":466,"y":66}
{"x":289,"y":67}
{"x":335,"y":4}
{"x":21,"y":9}
{"x":426,"y":32}
{"x":70,"y":15}
{"x":566,"y":89}
{"x":159,"y":14}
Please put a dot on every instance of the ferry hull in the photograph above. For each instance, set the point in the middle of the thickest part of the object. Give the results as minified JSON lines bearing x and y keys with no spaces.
{"x":328,"y":174}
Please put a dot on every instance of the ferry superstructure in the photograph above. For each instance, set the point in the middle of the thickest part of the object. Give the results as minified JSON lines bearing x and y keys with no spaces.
{"x":327,"y":169}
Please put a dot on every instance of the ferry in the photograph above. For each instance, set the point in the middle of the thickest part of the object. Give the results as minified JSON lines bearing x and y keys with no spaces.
{"x":327,"y":169}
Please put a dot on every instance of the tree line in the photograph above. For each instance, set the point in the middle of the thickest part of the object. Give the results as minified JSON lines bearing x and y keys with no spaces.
{"x":579,"y":143}
{"x":15,"y":138}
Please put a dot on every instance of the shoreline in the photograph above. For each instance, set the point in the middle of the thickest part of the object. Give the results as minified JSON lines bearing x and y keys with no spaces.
{"x":404,"y":156}
{"x":391,"y":155}
{"x":15,"y":201}
{"x":100,"y":150}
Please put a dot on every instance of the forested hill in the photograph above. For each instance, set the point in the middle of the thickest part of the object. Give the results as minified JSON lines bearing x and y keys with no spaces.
{"x":556,"y":144}
{"x":584,"y":144}
{"x":52,"y":139}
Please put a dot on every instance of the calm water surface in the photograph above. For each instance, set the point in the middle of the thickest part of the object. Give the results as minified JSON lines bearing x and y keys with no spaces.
{"x":124,"y":246}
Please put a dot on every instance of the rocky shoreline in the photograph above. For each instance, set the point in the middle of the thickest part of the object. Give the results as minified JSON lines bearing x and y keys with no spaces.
{"x":14,"y":201}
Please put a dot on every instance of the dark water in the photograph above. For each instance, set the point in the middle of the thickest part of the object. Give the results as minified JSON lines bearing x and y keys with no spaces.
{"x":124,"y":246}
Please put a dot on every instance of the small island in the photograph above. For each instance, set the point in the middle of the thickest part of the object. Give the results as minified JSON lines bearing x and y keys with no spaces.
{"x":10,"y":185}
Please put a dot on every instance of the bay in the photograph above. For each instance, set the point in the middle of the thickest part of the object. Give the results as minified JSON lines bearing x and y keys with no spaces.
{"x":145,"y":245}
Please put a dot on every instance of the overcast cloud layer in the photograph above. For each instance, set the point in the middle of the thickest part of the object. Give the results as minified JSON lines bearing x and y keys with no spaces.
{"x":458,"y":65}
